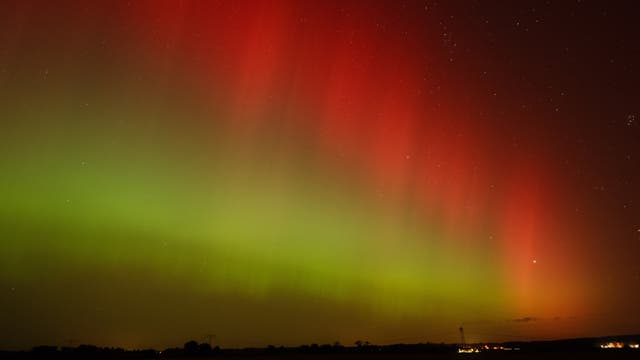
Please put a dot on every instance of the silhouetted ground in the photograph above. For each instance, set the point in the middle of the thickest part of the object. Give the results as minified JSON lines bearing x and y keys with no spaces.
{"x":616,"y":355}
{"x":580,"y":349}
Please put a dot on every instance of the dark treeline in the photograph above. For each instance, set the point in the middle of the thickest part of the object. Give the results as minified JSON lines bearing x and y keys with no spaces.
{"x":193,"y":349}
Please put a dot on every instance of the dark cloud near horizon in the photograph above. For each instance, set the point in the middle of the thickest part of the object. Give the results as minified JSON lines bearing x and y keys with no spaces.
{"x":525,"y":319}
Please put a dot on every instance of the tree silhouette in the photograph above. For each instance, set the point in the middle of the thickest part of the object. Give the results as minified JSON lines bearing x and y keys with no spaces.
{"x":204,"y":348}
{"x":191,"y":347}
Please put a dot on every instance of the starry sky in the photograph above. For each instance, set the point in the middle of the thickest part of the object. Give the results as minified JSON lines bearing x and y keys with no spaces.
{"x":289,"y":172}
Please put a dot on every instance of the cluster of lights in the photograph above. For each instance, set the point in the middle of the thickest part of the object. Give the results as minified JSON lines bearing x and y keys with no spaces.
{"x":470,"y":350}
{"x":618,"y":345}
{"x":498,"y":347}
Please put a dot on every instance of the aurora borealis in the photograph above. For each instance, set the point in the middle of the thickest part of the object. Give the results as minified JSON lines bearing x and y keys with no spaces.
{"x":288,"y":172}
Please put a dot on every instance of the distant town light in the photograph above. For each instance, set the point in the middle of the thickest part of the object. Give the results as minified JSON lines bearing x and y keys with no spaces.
{"x":485,"y":347}
{"x":612,"y":345}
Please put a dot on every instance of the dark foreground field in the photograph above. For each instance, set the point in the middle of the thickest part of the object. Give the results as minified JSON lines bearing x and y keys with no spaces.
{"x":454,"y":356}
{"x":506,"y":356}
{"x":516,"y":355}
{"x":579,"y":349}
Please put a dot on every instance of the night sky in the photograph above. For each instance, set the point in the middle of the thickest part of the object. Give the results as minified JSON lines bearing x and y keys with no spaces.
{"x":289,"y":172}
